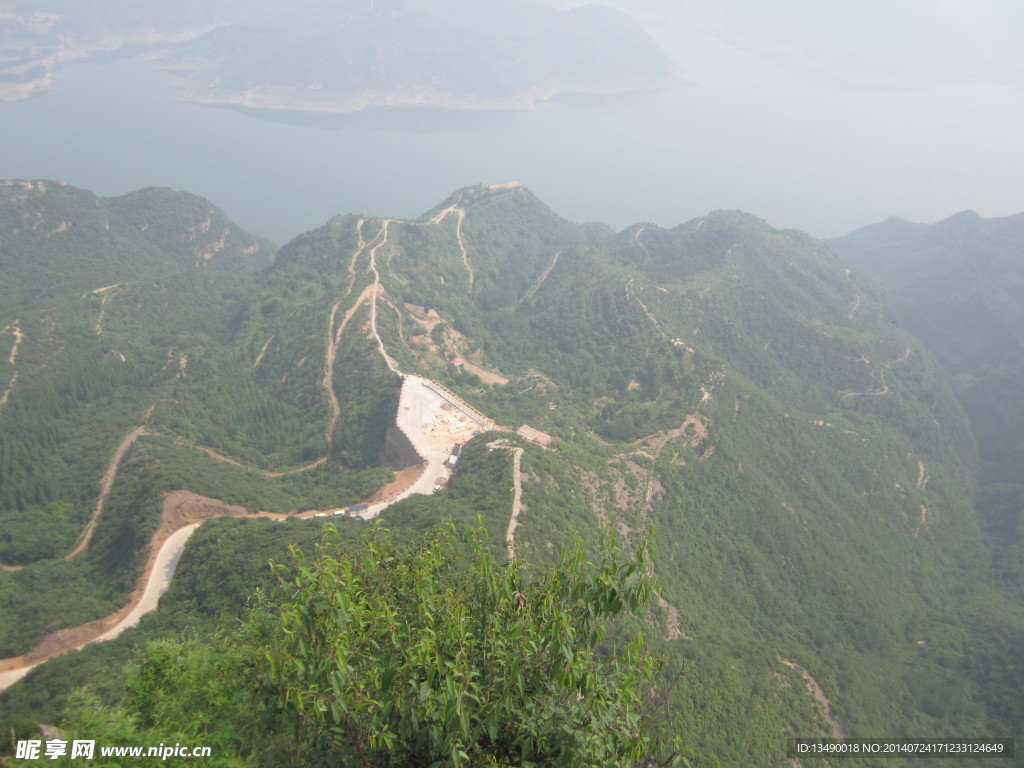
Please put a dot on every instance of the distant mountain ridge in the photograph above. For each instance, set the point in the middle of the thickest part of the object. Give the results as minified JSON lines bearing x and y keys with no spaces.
{"x":958,"y":285}
{"x":56,"y":239}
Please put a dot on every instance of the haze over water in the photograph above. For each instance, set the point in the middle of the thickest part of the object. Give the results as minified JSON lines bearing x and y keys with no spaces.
{"x":800,"y":146}
{"x":116,"y":127}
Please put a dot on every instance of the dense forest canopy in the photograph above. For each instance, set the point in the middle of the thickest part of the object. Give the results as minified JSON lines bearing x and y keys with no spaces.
{"x":808,"y":472}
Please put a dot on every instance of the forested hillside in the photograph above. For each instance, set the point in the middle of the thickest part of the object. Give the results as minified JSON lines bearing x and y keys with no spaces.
{"x":802,"y":460}
{"x":120,"y":361}
{"x":959,"y":286}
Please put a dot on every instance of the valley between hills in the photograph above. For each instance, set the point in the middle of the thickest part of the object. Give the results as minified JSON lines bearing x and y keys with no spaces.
{"x":431,"y":431}
{"x":804,"y":463}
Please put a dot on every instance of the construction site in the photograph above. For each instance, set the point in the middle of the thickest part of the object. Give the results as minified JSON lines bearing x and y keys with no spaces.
{"x":430,"y":422}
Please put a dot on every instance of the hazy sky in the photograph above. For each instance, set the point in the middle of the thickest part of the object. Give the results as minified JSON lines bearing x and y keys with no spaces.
{"x":821,"y":114}
{"x":812,"y":114}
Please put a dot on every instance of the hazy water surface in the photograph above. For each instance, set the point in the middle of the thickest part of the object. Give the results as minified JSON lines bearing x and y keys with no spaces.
{"x":117,"y":126}
{"x":796,"y":151}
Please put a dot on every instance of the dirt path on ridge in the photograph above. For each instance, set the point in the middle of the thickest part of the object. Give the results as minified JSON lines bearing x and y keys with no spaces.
{"x":881,"y":375}
{"x":334,"y":338}
{"x":517,"y":501}
{"x":236,"y":463}
{"x":16,"y":331}
{"x":376,"y":288}
{"x":360,"y":247}
{"x":107,"y":483}
{"x":18,"y":334}
{"x":461,"y":213}
{"x":462,"y":247}
{"x":820,"y":697}
{"x":631,"y":296}
{"x":640,"y":242}
{"x":333,"y":341}
{"x":263,"y":350}
{"x":544,"y":276}
{"x":856,"y":306}
{"x":856,"y":300}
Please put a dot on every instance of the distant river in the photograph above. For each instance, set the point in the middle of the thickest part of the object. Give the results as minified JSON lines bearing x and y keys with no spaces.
{"x":117,"y":126}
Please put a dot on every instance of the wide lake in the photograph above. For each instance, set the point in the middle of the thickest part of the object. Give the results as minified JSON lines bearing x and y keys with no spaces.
{"x":118,"y":126}
{"x":753,"y":135}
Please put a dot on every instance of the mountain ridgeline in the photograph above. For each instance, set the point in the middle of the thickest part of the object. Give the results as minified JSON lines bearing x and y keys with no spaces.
{"x":58,"y":240}
{"x":959,"y":286}
{"x":802,"y":459}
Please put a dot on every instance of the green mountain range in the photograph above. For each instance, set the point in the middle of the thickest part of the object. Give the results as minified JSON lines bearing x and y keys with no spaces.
{"x":802,"y":459}
{"x":958,"y":285}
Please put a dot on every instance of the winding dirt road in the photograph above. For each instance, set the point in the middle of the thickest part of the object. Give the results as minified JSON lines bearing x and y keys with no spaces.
{"x":432,"y":418}
{"x":881,"y":376}
{"x":12,"y":358}
{"x":108,"y":481}
{"x":820,"y":697}
{"x":182,"y":514}
{"x":461,"y":213}
{"x":543,"y":276}
{"x":432,"y":423}
{"x":517,"y":502}
{"x":159,"y":581}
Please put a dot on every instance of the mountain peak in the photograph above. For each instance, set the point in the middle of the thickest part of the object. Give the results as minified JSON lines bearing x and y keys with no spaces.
{"x":962,"y":220}
{"x":728,"y":219}
{"x":475,"y":195}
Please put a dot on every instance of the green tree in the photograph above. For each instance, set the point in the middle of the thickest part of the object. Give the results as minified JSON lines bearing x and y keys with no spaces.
{"x":402,"y":656}
{"x":391,"y":654}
